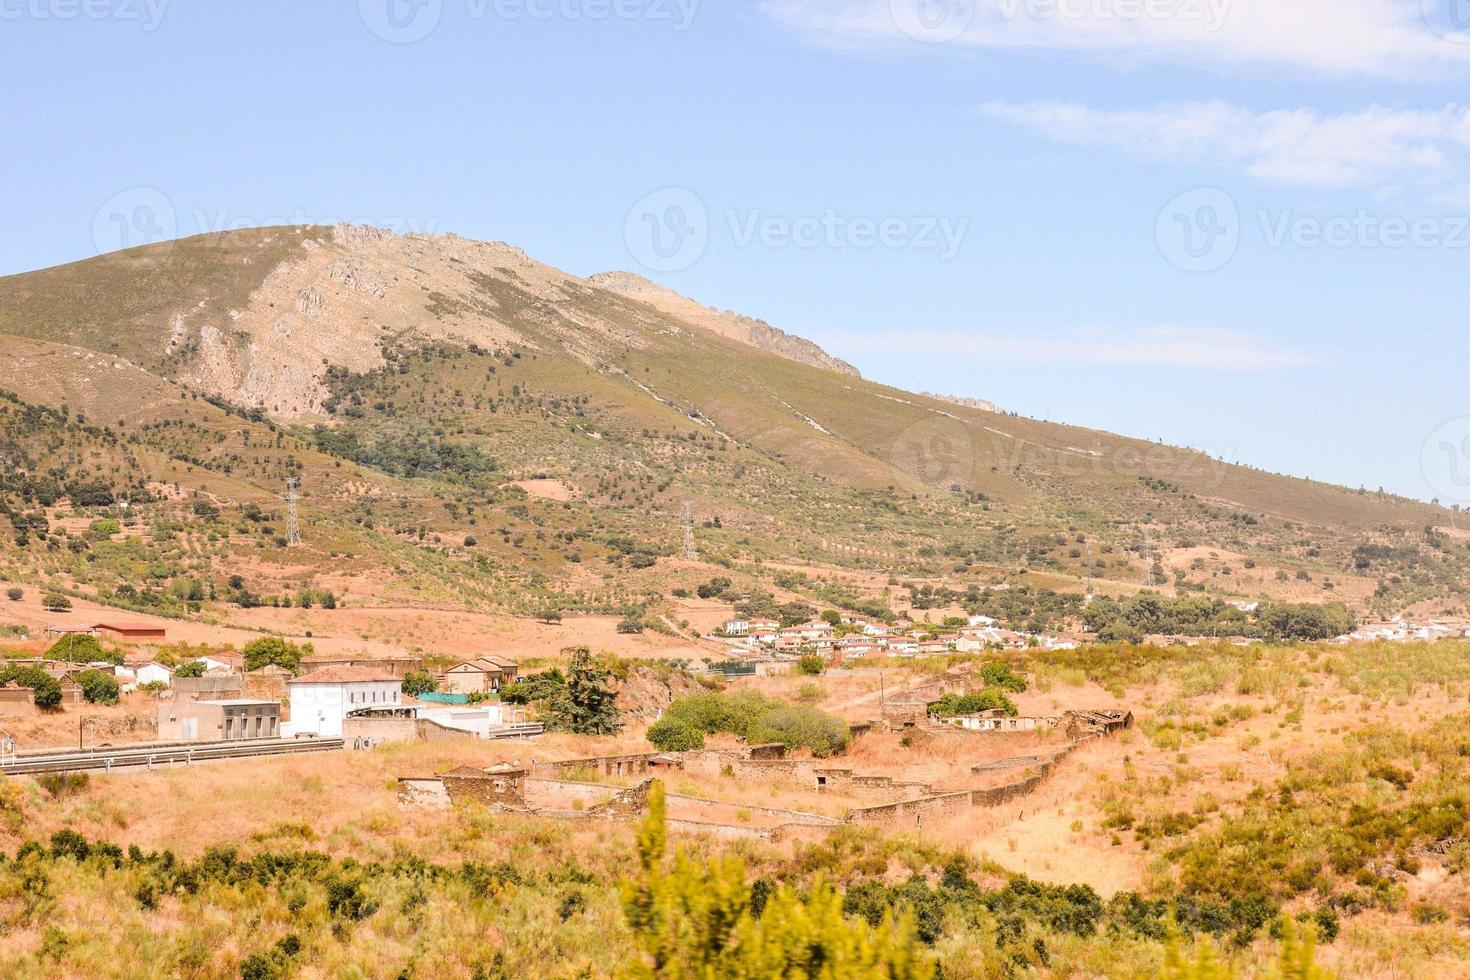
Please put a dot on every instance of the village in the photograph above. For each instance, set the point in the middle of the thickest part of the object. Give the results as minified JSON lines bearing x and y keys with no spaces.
{"x":215,"y":697}
{"x":219,"y":706}
{"x":762,"y":640}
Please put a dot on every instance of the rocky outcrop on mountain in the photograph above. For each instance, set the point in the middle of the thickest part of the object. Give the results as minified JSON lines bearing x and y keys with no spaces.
{"x":977,"y":403}
{"x":748,"y":330}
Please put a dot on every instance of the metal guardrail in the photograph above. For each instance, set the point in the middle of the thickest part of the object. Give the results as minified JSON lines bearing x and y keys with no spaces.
{"x":149,"y":756}
{"x":518,"y":731}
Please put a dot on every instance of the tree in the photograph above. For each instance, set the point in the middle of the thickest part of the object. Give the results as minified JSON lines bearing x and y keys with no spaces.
{"x":631,"y":624}
{"x":46,"y":690}
{"x":55,"y":602}
{"x":79,"y":648}
{"x":417,"y":682}
{"x":587,"y":705}
{"x":195,"y":668}
{"x":701,"y":920}
{"x":273,"y":650}
{"x":1001,"y":676}
{"x":714,"y":587}
{"x":811,"y":664}
{"x":99,"y":687}
{"x":15,"y":593}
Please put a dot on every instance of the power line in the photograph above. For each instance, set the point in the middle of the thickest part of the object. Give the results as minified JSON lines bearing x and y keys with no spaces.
{"x":690,"y":552}
{"x":293,"y":520}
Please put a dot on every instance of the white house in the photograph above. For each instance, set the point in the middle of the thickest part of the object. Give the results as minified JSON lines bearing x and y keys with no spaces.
{"x":323,"y":699}
{"x":153,"y":674}
{"x":737,"y":627}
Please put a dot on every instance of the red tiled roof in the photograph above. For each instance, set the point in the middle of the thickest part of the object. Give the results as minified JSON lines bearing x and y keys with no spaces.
{"x":344,"y":675}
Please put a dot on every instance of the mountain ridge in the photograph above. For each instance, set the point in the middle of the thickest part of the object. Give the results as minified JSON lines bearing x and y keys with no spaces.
{"x":431,"y":372}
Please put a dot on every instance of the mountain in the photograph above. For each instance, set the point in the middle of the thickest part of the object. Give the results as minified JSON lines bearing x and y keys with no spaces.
{"x":756,"y":333}
{"x":472,"y":426}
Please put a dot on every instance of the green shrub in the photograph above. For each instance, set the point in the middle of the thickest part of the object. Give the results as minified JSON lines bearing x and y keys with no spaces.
{"x":673,"y":735}
{"x":417,"y":682}
{"x":759,"y":720}
{"x":272,"y":650}
{"x":811,"y":664}
{"x":79,"y":648}
{"x":1001,"y":676}
{"x":952,"y":705}
{"x":98,"y":687}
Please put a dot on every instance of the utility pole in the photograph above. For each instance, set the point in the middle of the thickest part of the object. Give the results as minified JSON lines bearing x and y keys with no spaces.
{"x":1149,"y":557}
{"x":1088,"y":586}
{"x":293,"y":520}
{"x":690,"y":552}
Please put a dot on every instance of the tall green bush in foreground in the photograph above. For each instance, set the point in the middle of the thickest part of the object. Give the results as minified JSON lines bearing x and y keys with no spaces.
{"x":1297,"y":961}
{"x":693,"y":921}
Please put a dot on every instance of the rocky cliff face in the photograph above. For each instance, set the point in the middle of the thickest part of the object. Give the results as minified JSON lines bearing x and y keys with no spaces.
{"x":757,"y":333}
{"x":976,"y":403}
{"x":341,"y":296}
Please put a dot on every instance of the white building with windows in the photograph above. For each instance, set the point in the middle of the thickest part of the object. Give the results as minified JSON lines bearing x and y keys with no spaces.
{"x":322,"y":700}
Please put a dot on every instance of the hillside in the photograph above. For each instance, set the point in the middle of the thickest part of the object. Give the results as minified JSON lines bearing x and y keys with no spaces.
{"x":474,"y":428}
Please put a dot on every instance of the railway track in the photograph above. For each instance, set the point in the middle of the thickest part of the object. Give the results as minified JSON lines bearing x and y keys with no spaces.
{"x":159,"y":756}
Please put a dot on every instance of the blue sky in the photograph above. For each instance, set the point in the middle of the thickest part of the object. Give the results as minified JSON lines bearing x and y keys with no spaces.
{"x":1219,"y":223}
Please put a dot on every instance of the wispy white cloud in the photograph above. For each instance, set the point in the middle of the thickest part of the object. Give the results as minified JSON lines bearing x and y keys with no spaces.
{"x":1381,"y":37}
{"x":1374,"y":147}
{"x":1205,"y":349}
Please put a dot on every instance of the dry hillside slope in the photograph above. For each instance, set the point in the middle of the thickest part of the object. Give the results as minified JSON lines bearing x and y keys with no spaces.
{"x":462,"y":366}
